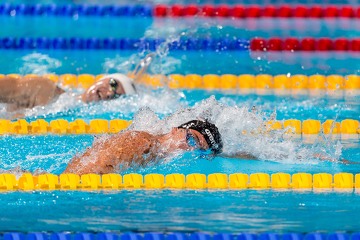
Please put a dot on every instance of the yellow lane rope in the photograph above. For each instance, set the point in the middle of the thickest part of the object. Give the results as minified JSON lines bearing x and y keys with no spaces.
{"x":226,"y":81}
{"x":99,"y":126}
{"x":221,"y":181}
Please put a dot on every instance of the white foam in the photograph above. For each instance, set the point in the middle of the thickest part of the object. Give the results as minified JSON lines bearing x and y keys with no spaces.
{"x":161,"y":101}
{"x":118,"y":64}
{"x":39,"y":64}
{"x":233,"y":122}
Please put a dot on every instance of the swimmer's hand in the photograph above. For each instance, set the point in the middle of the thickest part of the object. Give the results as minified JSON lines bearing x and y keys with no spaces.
{"x":348,"y":162}
{"x":248,"y":156}
{"x":142,"y":67}
{"x":240,"y":155}
{"x":330,"y":159}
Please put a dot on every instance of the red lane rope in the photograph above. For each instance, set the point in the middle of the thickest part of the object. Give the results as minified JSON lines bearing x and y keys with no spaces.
{"x":256,"y":11}
{"x":305,"y":44}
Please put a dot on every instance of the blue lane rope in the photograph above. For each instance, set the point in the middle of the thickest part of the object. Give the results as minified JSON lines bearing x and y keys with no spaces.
{"x":180,"y":236}
{"x":71,"y":10}
{"x":147,"y":10}
{"x":219,"y":44}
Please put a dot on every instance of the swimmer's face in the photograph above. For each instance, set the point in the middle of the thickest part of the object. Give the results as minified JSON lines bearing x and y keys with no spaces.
{"x":104,"y":89}
{"x":185,"y":139}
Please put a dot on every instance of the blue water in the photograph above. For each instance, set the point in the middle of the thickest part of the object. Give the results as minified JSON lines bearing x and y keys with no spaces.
{"x":182,"y":62}
{"x":189,"y":211}
{"x":69,"y":27}
{"x":52,"y":153}
{"x":166,"y":211}
{"x":290,"y":106}
{"x":137,"y":27}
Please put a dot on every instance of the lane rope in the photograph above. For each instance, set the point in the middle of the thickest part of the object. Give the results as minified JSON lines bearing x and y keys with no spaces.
{"x":178,"y":10}
{"x":185,"y":44}
{"x":225,"y":81}
{"x":70,"y":10}
{"x":305,"y":44}
{"x":220,"y":181}
{"x":103,"y":126}
{"x":257,"y":11}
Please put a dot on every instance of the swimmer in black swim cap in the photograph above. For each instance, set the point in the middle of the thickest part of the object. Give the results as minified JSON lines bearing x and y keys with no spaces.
{"x":209,"y":131}
{"x":140,"y":147}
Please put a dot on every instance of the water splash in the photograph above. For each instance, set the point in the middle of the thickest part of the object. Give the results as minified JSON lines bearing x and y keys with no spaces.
{"x":68,"y":105}
{"x":242,"y":130}
{"x":39,"y":64}
{"x":118,"y":64}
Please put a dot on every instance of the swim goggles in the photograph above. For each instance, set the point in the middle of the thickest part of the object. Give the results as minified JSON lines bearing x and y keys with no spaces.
{"x":114,"y":85}
{"x":191,"y":140}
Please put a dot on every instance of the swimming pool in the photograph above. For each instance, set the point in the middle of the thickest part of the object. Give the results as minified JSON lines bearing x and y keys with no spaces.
{"x":231,"y":211}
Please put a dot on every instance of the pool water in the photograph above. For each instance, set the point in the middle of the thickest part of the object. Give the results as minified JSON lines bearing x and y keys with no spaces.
{"x":164,"y":102}
{"x":139,"y":27}
{"x":52,"y":153}
{"x":202,"y":62}
{"x":185,"y":211}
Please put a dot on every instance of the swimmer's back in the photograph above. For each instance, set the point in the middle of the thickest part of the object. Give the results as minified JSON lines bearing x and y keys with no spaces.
{"x":111,"y":154}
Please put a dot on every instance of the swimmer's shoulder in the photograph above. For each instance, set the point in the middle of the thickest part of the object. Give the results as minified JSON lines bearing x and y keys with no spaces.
{"x":131,"y":138}
{"x":138,"y":135}
{"x":37,"y":79}
{"x":134,"y":141}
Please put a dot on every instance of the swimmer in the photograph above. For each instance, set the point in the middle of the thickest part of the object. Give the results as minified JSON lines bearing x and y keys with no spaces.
{"x":122,"y":150}
{"x":29,"y":92}
{"x":138,"y":148}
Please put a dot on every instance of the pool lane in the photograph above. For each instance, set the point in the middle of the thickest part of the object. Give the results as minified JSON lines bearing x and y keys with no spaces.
{"x":181,"y":62}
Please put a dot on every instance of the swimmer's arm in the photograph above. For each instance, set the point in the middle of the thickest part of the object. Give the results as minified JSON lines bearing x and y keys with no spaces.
{"x":105,"y":156}
{"x":241,"y":155}
{"x":323,"y":157}
{"x":141,"y":68}
{"x":28,"y":92}
{"x":95,"y":159}
{"x":248,"y":156}
{"x":8,"y":89}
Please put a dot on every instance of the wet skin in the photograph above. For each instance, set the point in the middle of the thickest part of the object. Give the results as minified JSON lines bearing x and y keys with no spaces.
{"x":28,"y":92}
{"x":104,"y":89}
{"x":178,"y":139}
{"x":122,"y":150}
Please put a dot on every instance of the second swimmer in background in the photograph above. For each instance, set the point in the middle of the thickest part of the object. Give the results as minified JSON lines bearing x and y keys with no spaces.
{"x":28,"y":92}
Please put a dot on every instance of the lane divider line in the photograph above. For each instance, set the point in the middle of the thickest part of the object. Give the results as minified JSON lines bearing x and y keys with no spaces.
{"x":178,"y":10}
{"x":185,"y":44}
{"x":257,"y":11}
{"x":225,"y":81}
{"x":219,"y":181}
{"x":305,"y":44}
{"x":103,"y":126}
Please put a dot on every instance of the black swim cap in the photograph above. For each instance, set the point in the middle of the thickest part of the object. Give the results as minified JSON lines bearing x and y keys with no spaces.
{"x":209,"y":131}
